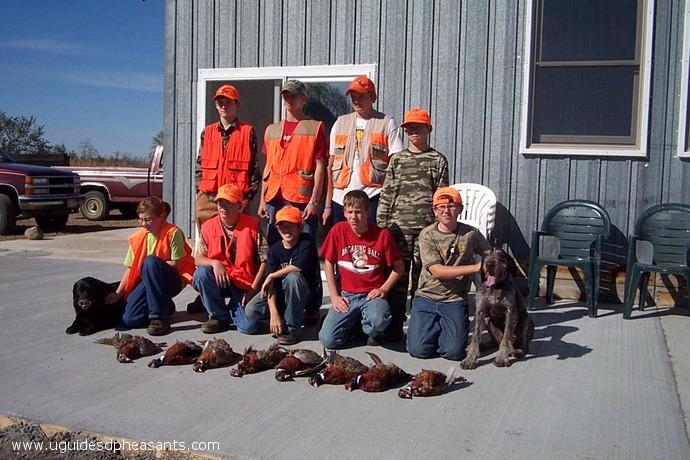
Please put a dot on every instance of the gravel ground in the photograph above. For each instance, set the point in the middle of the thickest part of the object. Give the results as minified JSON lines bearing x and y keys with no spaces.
{"x":76,"y":224}
{"x":27,"y":440}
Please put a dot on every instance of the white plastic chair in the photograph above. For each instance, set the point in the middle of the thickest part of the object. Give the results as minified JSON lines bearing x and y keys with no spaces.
{"x":479,"y":207}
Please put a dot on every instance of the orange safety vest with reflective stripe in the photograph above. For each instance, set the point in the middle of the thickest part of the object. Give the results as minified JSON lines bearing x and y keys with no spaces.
{"x":138,"y":242}
{"x":373,"y":150}
{"x":241,"y":269}
{"x":290,"y":168}
{"x":229,"y":166}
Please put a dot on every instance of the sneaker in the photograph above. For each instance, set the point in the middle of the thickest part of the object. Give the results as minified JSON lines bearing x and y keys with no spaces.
{"x":158,"y":327}
{"x":214,"y":326}
{"x":195,"y":306}
{"x":374,"y":341}
{"x":311,"y":318}
{"x":288,"y":339}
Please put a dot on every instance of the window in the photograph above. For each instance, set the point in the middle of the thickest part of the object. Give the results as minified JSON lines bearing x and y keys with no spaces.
{"x":684,"y":115}
{"x":587,"y":77}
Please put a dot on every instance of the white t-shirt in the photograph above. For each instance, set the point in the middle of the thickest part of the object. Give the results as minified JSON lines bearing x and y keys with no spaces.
{"x":395,"y":144}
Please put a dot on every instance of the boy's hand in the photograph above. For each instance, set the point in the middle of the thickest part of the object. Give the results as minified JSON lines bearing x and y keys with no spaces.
{"x":222,"y":278}
{"x":326,"y":216}
{"x":267,"y":287}
{"x":275,"y":325}
{"x":309,"y":211}
{"x":262,"y":210}
{"x":340,"y":304}
{"x":377,"y":293}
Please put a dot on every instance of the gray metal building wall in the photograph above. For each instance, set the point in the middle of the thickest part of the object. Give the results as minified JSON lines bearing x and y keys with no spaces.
{"x":462,"y":60}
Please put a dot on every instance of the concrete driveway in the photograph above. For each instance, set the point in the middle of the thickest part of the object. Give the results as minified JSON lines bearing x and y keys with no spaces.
{"x":590,"y":389}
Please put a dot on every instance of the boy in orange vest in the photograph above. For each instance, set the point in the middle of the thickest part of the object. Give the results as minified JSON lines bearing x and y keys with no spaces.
{"x":360,"y":146}
{"x":227,"y":155}
{"x":159,"y":264}
{"x":230,"y":263}
{"x":296,"y":153}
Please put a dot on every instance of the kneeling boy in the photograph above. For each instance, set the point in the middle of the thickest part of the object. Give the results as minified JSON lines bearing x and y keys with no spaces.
{"x":364,"y":255}
{"x":293,"y":268}
{"x":439,"y":319}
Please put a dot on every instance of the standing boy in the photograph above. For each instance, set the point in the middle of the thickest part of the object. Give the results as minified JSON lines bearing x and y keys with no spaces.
{"x":364,"y":255}
{"x":405,"y":206}
{"x":230,"y":263}
{"x":361,"y":145}
{"x":439,"y":316}
{"x":227,"y":155}
{"x":293,"y":268}
{"x":296,"y":150}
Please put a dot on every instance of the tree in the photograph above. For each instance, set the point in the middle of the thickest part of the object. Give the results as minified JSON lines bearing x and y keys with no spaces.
{"x":157,"y":140}
{"x":21,"y":136}
{"x":87,"y":149}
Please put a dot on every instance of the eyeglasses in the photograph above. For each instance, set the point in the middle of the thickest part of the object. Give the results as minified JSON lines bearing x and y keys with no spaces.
{"x":446,"y":207}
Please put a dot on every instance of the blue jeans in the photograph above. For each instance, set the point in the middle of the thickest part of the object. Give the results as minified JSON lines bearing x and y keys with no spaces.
{"x":337,"y":327}
{"x":151,"y":298}
{"x":339,"y":213}
{"x":437,"y":327}
{"x":213,"y":297}
{"x":292,"y":294}
{"x":272,"y":235}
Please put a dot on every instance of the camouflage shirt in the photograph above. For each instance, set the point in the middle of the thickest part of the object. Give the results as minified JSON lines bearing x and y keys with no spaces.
{"x":406,"y":196}
{"x":453,"y":249}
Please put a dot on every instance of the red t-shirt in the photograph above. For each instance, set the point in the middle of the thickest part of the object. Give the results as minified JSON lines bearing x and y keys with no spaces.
{"x":363,"y":261}
{"x":320,"y":148}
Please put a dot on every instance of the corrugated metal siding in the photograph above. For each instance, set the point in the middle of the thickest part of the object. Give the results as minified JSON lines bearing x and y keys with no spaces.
{"x":463,"y":61}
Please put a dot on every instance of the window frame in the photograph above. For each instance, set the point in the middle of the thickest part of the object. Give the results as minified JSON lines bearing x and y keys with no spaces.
{"x":641,"y":103}
{"x":683,"y":144}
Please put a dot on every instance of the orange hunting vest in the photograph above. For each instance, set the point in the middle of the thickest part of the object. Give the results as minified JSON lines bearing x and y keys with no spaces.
{"x":373,"y":150}
{"x":185,"y":266}
{"x":290,"y":169}
{"x":243,"y":267}
{"x":220,"y":167}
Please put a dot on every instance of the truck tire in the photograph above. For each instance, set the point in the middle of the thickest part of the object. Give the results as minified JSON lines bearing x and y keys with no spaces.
{"x":49,"y":224}
{"x":96,"y":206}
{"x":8,"y":216}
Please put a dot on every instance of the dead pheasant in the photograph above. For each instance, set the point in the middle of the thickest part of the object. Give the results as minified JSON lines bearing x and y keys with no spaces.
{"x":430,"y":383}
{"x":130,"y":347}
{"x":179,"y":353}
{"x":339,"y":370}
{"x":379,"y":377}
{"x":216,"y":353}
{"x":255,"y":361}
{"x":297,"y":363}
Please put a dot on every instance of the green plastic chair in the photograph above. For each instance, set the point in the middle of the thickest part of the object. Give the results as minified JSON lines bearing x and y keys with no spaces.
{"x":667,"y":228}
{"x":580,"y":227}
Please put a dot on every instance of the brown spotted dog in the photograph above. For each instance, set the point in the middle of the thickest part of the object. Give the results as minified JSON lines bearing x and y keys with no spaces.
{"x":501,"y":308}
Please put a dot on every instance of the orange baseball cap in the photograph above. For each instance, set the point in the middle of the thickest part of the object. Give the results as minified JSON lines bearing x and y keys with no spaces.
{"x":447,"y":195}
{"x":289,"y":214}
{"x":361,"y":85}
{"x":227,"y":91}
{"x":417,"y":115}
{"x":229,"y":192}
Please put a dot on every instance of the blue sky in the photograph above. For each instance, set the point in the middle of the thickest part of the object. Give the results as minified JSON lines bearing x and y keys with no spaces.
{"x":86,"y":69}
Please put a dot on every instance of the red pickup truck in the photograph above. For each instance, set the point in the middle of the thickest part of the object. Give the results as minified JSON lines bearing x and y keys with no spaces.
{"x":40,"y":192}
{"x":117,"y":187}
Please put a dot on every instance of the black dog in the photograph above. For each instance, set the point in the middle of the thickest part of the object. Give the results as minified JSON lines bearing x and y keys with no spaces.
{"x":93,"y":314}
{"x":500,"y":307}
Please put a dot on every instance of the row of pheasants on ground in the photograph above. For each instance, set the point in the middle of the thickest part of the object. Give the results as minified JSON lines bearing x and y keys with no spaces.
{"x":331,"y":368}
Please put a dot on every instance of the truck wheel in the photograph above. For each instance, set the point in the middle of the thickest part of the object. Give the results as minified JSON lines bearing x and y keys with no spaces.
{"x":95,"y":206}
{"x":8,"y":216}
{"x":51,"y":224}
